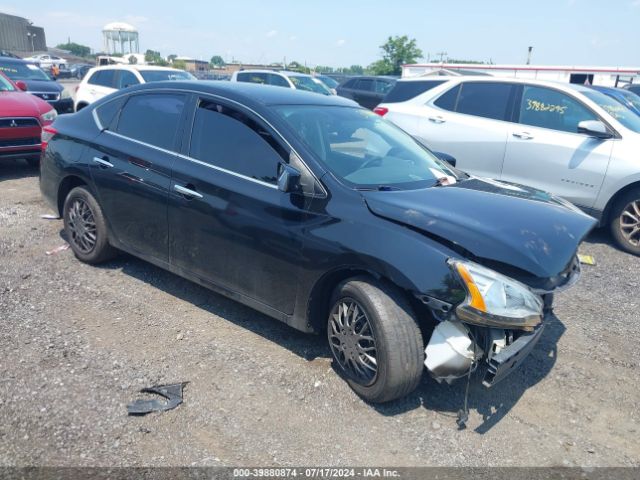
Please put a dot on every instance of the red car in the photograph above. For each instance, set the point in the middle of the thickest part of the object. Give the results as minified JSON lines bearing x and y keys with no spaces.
{"x":22,"y":117}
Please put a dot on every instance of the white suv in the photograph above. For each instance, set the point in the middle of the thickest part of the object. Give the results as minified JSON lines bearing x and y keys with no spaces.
{"x":101,"y":81}
{"x":300,"y":81}
{"x":567,"y":139}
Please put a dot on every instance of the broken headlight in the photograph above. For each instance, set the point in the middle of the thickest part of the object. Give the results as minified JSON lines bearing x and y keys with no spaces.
{"x":495,"y":300}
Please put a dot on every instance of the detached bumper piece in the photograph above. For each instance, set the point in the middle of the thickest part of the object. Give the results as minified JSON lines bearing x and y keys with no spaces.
{"x":503,"y":363}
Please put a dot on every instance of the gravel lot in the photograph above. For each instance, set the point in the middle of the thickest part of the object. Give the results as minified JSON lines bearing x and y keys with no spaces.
{"x":78,"y":342}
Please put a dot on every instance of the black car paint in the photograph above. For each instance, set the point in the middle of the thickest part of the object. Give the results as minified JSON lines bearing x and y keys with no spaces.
{"x":283,"y":253}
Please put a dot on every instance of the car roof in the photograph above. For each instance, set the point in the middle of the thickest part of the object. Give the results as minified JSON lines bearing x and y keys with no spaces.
{"x":250,"y":93}
{"x":524,"y":81}
{"x":15,"y":60}
{"x":135,"y":67}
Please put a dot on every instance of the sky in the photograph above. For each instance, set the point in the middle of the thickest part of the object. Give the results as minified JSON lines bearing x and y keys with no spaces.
{"x":350,"y":32}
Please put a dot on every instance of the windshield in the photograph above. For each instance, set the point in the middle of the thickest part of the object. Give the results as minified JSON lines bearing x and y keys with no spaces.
{"x":630,"y":97}
{"x":308,"y":84}
{"x":163,"y":75}
{"x":22,"y":71}
{"x":363,"y":149}
{"x":328,"y":81}
{"x":5,"y":85}
{"x":616,"y":109}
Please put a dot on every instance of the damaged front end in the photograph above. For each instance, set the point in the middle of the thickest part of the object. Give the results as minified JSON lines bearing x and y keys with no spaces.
{"x":499,"y":322}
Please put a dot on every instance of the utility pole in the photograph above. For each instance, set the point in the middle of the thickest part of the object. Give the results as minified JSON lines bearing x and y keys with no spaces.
{"x":529,"y":55}
{"x":442,"y":55}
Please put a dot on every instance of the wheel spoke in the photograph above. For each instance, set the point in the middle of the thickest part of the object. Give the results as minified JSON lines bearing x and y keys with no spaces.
{"x":352,"y":341}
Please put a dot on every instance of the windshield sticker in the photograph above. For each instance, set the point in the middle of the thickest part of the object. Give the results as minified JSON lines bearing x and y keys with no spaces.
{"x":32,"y":67}
{"x":538,"y":106}
{"x":7,"y":69}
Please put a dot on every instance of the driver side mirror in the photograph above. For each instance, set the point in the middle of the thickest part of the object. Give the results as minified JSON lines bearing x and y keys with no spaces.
{"x":594,"y":128}
{"x":288,"y":179}
{"x":22,"y":85}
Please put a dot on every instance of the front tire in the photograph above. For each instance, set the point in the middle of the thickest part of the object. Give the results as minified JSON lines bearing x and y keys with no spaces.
{"x":625,"y":221}
{"x":375,"y":339}
{"x":86,"y":228}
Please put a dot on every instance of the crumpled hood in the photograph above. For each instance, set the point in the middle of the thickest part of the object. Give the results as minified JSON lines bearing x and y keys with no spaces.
{"x":516,"y":225}
{"x":22,"y":104}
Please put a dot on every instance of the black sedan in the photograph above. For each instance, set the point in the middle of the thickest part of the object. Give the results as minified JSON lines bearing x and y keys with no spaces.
{"x":322,"y":215}
{"x":367,"y":91}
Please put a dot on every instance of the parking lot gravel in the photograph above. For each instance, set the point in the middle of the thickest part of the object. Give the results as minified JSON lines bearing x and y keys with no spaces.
{"x":78,"y":342}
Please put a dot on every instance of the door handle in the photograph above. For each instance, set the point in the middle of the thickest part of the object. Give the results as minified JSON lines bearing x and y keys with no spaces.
{"x":102,"y":162}
{"x":523,"y":135}
{"x":187,"y":192}
{"x":437,"y":119}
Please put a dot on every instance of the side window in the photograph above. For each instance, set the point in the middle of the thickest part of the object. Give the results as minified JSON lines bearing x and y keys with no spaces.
{"x":349,"y":83}
{"x":488,"y":100}
{"x":229,"y":139}
{"x":243,"y":77}
{"x":548,"y":108}
{"x":126,"y":79}
{"x":365,"y":84}
{"x":152,"y":118}
{"x":448,"y":100}
{"x":253,"y":78}
{"x":95,"y":78}
{"x":277,"y":80}
{"x":108,"y":113}
{"x":383,"y":86}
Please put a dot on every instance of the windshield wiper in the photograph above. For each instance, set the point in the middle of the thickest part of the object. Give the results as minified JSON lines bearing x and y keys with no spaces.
{"x":379,"y":188}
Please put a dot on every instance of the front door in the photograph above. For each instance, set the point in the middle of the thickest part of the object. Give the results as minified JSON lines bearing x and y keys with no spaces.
{"x":229,"y":224}
{"x":545,"y":150}
{"x":131,"y":168}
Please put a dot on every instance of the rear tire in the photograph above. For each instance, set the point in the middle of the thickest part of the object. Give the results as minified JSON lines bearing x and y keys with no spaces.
{"x":86,"y":227}
{"x":371,"y":326}
{"x":625,"y":221}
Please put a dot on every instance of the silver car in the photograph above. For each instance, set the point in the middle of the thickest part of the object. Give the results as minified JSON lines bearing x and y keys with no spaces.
{"x":567,"y":139}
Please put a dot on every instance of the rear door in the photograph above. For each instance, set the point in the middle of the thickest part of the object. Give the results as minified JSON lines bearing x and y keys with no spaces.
{"x":228,"y":222}
{"x":131,"y":167}
{"x":545,"y":150}
{"x":471,"y":122}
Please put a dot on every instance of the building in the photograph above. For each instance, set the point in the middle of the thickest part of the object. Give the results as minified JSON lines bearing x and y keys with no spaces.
{"x":192,"y":65}
{"x":603,"y":76}
{"x":119,"y":37}
{"x":18,"y":34}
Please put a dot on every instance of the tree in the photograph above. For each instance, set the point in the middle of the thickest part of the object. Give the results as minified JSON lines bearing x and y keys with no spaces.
{"x":396,"y":52}
{"x":75,"y":49}
{"x":154,"y":58}
{"x":172,"y":57}
{"x":323,"y":69}
{"x":180,"y":64}
{"x":297,"y":67}
{"x":217,"y":61}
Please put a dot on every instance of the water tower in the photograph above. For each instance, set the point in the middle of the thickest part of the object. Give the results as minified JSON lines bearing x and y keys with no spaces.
{"x":117,"y":36}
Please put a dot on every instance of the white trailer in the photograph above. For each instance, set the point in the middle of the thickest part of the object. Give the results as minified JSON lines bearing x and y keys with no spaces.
{"x":604,"y":76}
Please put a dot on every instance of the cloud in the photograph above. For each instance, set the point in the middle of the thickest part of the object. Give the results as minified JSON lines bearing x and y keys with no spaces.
{"x":341,"y":42}
{"x":293,"y":38}
{"x":272,"y":33}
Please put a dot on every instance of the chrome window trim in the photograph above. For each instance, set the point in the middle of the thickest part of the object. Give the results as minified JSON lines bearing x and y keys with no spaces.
{"x":199,"y":93}
{"x":229,"y":172}
{"x":34,"y":145}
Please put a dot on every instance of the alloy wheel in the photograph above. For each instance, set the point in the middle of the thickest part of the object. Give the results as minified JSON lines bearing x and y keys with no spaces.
{"x":352,"y":341}
{"x":630,"y":223}
{"x":82,"y":226}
